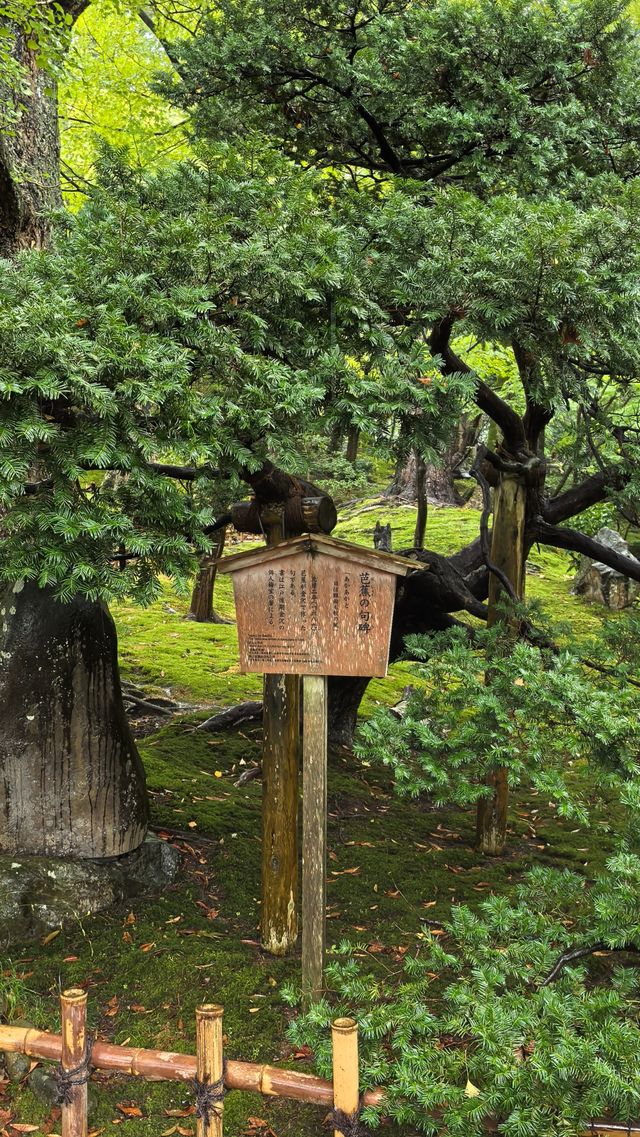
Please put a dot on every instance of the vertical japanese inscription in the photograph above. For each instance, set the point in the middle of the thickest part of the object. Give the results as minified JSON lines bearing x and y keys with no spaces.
{"x":271,"y":594}
{"x":281,"y":599}
{"x":311,"y":615}
{"x":364,"y":603}
{"x":313,"y":605}
{"x":335,"y":605}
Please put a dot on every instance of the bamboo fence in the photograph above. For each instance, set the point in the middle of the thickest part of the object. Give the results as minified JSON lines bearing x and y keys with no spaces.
{"x":209,"y":1074}
{"x":207,"y":1071}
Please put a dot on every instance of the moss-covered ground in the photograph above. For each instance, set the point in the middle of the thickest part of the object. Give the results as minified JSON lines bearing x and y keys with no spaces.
{"x":392,"y":864}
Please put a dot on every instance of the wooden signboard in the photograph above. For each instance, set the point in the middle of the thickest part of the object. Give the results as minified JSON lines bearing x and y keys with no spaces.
{"x":315,"y":606}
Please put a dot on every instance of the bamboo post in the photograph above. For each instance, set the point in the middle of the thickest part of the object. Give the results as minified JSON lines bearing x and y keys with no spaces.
{"x":210,"y":1065}
{"x":73,"y":1007}
{"x":346,"y":1077}
{"x":314,"y":834}
{"x":281,"y":739}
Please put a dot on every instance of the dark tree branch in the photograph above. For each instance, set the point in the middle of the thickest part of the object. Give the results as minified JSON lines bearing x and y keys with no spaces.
{"x":181,"y":473}
{"x":580,"y":953}
{"x":505,"y":466}
{"x":589,"y":492}
{"x":560,"y":537}
{"x":502,"y":414}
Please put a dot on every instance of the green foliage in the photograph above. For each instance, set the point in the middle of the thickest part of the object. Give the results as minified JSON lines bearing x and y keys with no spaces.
{"x":182,"y":317}
{"x":494,"y":149}
{"x":482,"y":91}
{"x":39,"y":32}
{"x":536,"y":715}
{"x":466,"y":1029}
{"x":105,"y":94}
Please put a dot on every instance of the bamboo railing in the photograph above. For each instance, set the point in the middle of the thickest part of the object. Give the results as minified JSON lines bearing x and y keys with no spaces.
{"x":206,"y":1069}
{"x":208,"y":1072}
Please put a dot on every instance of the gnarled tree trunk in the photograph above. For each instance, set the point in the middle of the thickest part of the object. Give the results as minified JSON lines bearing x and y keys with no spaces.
{"x":201,"y":608}
{"x":508,"y":552}
{"x":71,"y":781}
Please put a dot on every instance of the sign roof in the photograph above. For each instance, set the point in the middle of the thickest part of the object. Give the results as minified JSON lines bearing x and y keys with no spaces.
{"x":319,"y":544}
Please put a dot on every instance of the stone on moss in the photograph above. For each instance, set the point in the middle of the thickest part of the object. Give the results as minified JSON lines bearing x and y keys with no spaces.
{"x":601,"y":584}
{"x":41,"y":893}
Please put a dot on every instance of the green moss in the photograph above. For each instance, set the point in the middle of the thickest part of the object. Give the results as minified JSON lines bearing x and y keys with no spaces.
{"x":392,"y":863}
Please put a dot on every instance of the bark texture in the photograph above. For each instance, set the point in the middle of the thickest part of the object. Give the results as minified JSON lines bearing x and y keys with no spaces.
{"x":29,"y":159}
{"x":202,"y":610}
{"x":71,"y":781}
{"x":508,"y":554}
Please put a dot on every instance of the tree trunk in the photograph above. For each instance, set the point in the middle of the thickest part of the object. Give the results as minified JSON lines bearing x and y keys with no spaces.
{"x":403,"y":485}
{"x":345,"y":696}
{"x":353,"y":441}
{"x":202,"y":609}
{"x":280,"y":763}
{"x":71,"y":781}
{"x":439,"y":481}
{"x":29,"y":158}
{"x":423,"y":502}
{"x":507,"y":553}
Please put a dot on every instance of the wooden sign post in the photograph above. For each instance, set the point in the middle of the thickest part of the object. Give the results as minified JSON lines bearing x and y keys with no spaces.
{"x":314,"y":606}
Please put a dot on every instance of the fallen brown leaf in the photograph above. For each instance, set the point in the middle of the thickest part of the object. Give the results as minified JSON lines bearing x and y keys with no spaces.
{"x":129,"y":1109}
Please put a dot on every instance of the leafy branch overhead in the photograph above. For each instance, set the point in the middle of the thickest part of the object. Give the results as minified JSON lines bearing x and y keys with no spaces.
{"x":181,"y":320}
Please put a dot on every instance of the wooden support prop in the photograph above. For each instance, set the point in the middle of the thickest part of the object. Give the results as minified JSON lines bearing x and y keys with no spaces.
{"x":507,"y":553}
{"x":73,"y":1007}
{"x":314,"y":835}
{"x":209,"y":1068}
{"x":280,"y":747}
{"x":346,"y":1083}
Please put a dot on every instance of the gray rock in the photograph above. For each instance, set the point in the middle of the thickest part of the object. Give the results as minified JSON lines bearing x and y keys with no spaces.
{"x":601,"y":584}
{"x":41,"y":893}
{"x":43,"y":1085}
{"x":16,"y":1065}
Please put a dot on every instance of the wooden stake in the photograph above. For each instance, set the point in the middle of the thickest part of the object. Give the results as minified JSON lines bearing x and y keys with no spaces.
{"x":346,"y":1081}
{"x":73,"y":1006}
{"x":280,"y":750}
{"x":507,"y":552}
{"x":314,"y":835}
{"x":209,"y":1063}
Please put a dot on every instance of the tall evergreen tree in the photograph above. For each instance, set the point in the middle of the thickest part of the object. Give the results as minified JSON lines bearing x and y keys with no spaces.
{"x":494,"y":148}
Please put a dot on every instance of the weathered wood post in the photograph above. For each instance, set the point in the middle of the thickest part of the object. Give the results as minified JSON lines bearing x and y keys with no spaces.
{"x":346,"y":1078}
{"x":314,"y":834}
{"x":507,"y":553}
{"x":209,"y":1068}
{"x":311,"y":606}
{"x":280,"y":761}
{"x":73,"y":1010}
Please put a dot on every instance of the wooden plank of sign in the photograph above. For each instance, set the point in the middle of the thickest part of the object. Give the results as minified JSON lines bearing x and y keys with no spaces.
{"x":315,"y":606}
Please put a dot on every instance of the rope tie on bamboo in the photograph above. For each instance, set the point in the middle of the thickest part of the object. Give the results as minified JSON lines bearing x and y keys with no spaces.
{"x":67,"y":1080}
{"x":208,"y":1095}
{"x":349,"y":1124}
